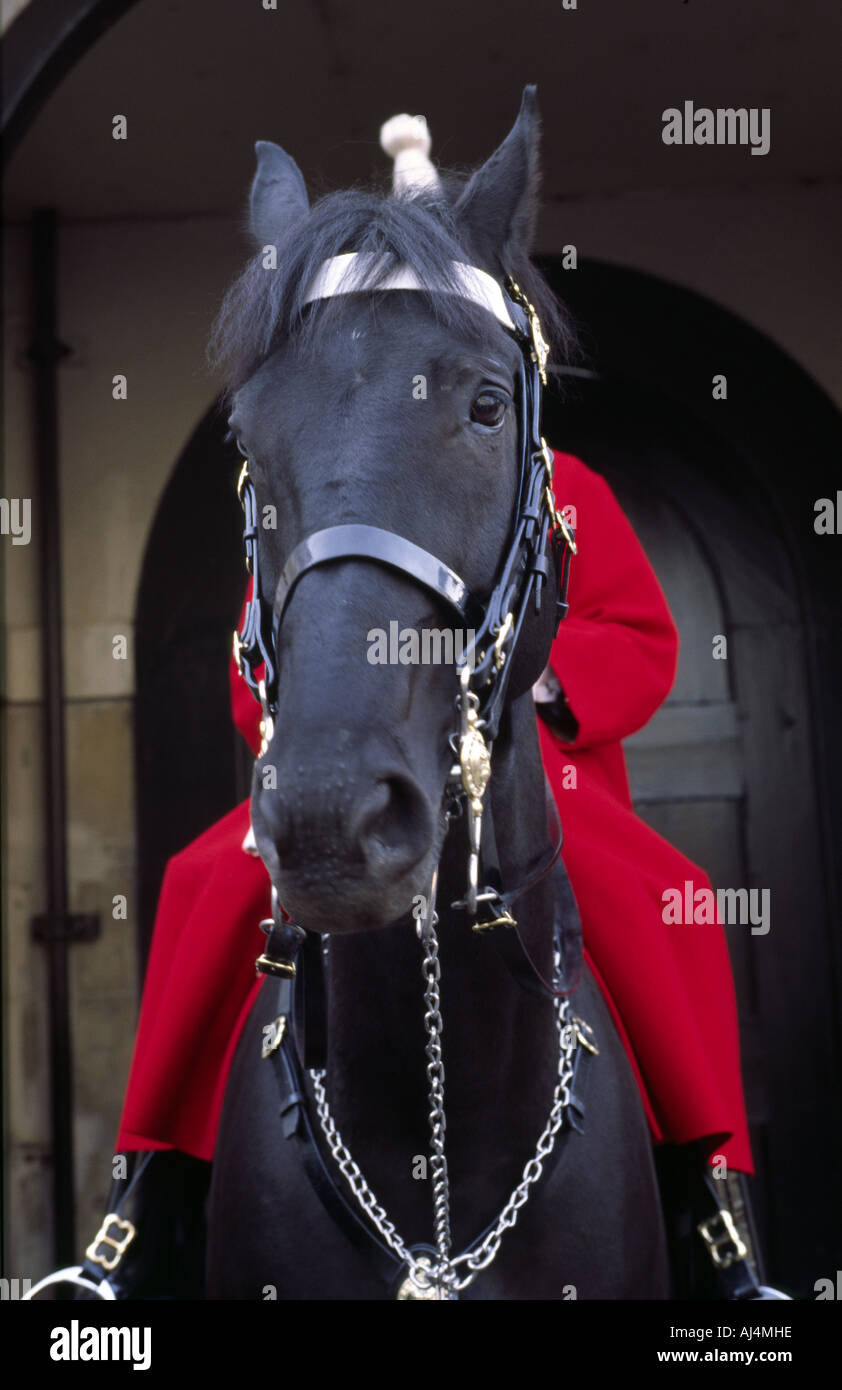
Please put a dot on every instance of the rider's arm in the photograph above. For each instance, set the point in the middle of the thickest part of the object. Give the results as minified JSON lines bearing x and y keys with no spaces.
{"x":616,"y":651}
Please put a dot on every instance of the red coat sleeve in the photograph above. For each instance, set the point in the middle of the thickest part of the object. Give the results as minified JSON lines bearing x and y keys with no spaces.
{"x":616,"y":651}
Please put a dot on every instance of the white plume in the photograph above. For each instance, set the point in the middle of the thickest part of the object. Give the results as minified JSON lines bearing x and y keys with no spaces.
{"x":406,"y":139}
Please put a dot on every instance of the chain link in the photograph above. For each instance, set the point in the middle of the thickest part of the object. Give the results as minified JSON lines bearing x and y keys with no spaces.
{"x":435,"y":1079}
{"x":445,"y":1277}
{"x":482,"y":1257}
{"x":351,"y":1173}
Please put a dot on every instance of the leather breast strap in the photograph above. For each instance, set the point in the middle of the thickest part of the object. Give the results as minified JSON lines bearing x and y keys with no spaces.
{"x":295,"y":1120}
{"x":297,"y":1125}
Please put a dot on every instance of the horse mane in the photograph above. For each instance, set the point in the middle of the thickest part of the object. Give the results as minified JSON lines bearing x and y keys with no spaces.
{"x":264,"y":306}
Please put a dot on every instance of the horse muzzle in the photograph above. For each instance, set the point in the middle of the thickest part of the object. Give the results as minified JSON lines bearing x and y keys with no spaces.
{"x":348,"y":843}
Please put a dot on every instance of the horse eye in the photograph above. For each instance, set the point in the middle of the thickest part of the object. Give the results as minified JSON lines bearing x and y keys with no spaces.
{"x":488,"y":410}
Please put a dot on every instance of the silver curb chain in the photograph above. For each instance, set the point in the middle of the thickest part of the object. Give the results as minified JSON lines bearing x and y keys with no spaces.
{"x":435,"y":1080}
{"x":443,"y":1280}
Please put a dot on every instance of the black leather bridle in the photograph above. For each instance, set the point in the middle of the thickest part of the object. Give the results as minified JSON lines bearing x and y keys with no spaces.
{"x":538,"y":552}
{"x":540,"y":540}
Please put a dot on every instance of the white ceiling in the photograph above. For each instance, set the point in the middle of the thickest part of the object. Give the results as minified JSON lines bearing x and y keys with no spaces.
{"x":200,"y":80}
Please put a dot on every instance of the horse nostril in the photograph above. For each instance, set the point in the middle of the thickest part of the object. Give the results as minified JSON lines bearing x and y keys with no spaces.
{"x":393,"y":826}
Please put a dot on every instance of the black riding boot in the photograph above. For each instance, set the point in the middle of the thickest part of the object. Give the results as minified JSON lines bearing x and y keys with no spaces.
{"x":151,"y":1244}
{"x":155,"y":1248}
{"x":711,"y":1236}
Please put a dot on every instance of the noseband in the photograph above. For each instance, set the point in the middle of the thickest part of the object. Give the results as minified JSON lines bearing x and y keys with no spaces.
{"x":540,"y":545}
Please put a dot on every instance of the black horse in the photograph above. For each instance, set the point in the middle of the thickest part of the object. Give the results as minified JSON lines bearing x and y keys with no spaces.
{"x":400,"y":410}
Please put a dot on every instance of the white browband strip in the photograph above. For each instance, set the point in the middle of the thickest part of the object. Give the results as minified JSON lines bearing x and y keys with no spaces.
{"x":347,"y":273}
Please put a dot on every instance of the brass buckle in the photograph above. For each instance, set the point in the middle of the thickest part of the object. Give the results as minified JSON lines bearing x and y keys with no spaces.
{"x":273,"y":1036}
{"x":241,"y":481}
{"x":584,"y":1034}
{"x":540,"y":346}
{"x":268,"y":965}
{"x":267,"y":723}
{"x":722,"y":1239}
{"x":474,"y":757}
{"x":504,"y":919}
{"x":505,"y":629}
{"x":103,"y":1238}
{"x":558,"y":521}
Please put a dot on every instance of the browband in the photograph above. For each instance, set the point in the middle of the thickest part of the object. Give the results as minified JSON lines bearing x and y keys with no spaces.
{"x":351,"y":271}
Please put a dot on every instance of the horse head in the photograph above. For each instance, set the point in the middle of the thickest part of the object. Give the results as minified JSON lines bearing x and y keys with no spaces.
{"x":400,"y":411}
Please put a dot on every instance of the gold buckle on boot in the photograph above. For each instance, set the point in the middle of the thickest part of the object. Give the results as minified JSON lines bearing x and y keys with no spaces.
{"x":103,"y":1238}
{"x":722,"y":1239}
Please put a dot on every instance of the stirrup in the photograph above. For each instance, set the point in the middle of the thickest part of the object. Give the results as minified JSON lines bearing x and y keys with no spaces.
{"x":72,"y":1274}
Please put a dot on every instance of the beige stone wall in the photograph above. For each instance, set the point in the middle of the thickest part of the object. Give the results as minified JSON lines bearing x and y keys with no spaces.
{"x":137,"y":298}
{"x":768,"y":253}
{"x":9,"y":11}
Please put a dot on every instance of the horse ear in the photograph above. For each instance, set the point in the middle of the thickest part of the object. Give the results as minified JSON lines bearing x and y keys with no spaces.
{"x":497,"y":208}
{"x":278,"y":194}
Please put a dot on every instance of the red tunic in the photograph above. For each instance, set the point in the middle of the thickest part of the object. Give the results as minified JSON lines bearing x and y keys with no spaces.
{"x":669,"y":987}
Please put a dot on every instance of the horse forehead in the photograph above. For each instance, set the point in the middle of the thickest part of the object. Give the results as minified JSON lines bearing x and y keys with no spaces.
{"x":382,"y":337}
{"x":385,"y":329}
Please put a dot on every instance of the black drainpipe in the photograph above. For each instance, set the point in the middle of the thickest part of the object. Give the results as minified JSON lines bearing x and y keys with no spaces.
{"x":57,"y":928}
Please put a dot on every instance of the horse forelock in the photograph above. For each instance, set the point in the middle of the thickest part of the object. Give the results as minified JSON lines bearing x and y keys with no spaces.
{"x":267,"y":304}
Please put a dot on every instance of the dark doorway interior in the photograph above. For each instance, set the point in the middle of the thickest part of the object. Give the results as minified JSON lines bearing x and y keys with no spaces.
{"x":736,"y":770}
{"x":190,"y":769}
